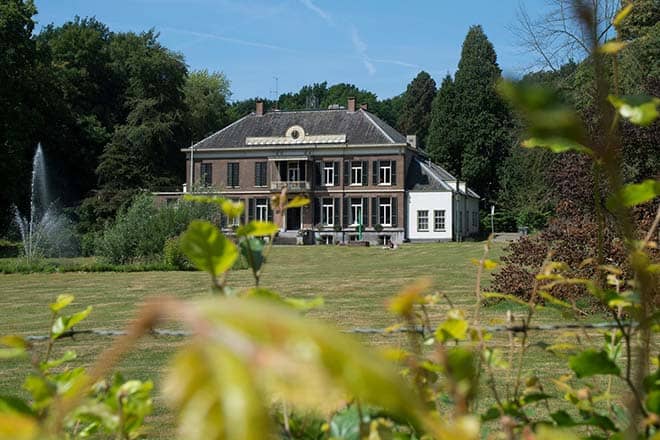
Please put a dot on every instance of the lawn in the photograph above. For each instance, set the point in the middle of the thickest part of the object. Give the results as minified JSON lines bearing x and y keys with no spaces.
{"x":354,"y":282}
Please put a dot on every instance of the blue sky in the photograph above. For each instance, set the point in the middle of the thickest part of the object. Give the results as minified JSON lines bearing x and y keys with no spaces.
{"x":379,"y":45}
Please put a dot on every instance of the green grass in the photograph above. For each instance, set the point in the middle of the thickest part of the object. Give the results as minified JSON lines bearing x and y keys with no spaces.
{"x":354,"y":282}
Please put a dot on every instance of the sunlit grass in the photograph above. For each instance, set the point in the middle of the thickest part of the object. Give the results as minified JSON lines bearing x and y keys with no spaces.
{"x":354,"y":282}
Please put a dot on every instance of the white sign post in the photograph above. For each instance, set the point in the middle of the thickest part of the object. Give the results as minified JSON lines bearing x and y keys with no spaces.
{"x":492,"y":214}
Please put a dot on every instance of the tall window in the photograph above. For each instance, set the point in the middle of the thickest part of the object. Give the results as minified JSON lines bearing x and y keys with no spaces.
{"x":293,"y":172}
{"x":439,"y":220}
{"x":356,"y":212}
{"x":261,"y":209}
{"x":356,"y":173}
{"x":385,"y":211}
{"x":206,"y":174}
{"x":328,"y":173}
{"x":232,"y":174}
{"x":260,"y":176}
{"x":385,"y":172}
{"x":422,"y":220}
{"x":328,"y":212}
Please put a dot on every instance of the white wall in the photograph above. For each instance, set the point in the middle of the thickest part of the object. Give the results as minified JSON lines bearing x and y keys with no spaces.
{"x":429,"y":201}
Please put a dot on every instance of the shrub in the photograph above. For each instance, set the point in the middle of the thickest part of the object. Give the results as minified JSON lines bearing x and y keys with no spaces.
{"x":140,"y":231}
{"x":173,"y":255}
{"x":9,"y":249}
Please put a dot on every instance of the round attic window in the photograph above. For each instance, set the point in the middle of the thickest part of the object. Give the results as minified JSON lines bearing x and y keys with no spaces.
{"x":295,"y":132}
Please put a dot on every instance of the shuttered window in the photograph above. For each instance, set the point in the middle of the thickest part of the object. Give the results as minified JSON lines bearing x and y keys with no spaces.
{"x":260,"y":176}
{"x":232,"y":175}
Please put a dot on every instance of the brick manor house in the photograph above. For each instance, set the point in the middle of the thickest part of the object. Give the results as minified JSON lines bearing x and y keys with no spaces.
{"x":365,"y":179}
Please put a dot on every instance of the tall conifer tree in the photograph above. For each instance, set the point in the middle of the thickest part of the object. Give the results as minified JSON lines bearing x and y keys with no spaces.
{"x":415,"y":116}
{"x":442,"y":142}
{"x":482,"y":120}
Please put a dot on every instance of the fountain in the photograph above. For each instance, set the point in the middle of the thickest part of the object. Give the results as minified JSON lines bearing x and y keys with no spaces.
{"x":45,"y":232}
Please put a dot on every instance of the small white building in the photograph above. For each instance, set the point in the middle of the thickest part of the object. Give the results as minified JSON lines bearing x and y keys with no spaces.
{"x":439,"y":207}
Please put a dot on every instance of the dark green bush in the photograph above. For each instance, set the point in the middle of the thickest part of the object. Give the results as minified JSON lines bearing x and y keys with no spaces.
{"x":140,"y":232}
{"x":9,"y":249}
{"x":173,"y":255}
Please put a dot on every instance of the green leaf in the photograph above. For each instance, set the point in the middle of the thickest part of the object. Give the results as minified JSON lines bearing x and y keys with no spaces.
{"x":14,"y":341}
{"x":252,"y":250}
{"x":505,"y":296}
{"x":640,"y":109}
{"x":455,"y":327}
{"x":622,"y":14}
{"x":635,"y":194}
{"x":257,"y":228}
{"x":535,"y":397}
{"x":612,"y":47}
{"x":66,"y":357}
{"x":61,"y":302}
{"x":233,"y":210}
{"x":305,"y":304}
{"x":653,"y":402}
{"x":216,"y":395}
{"x":307,"y":363}
{"x":65,"y":323}
{"x":14,"y":404}
{"x":208,"y":248}
{"x":12,"y":353}
{"x":591,"y":362}
{"x":297,"y":202}
{"x":556,"y":145}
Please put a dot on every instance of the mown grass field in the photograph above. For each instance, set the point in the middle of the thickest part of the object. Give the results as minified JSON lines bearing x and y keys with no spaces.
{"x":354,"y":282}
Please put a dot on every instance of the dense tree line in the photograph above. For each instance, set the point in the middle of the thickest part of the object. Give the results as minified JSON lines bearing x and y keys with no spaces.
{"x":112,"y":110}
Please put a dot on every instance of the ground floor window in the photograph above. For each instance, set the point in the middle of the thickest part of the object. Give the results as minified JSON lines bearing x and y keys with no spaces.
{"x":422,"y":221}
{"x":328,"y":212}
{"x":261,"y":210}
{"x":385,"y":211}
{"x":439,"y":220}
{"x":356,"y":212}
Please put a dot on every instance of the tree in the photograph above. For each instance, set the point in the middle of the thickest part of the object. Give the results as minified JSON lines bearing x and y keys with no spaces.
{"x":389,"y":109}
{"x":85,"y":101}
{"x":443,"y":143}
{"x":557,"y":36}
{"x":308,"y":97}
{"x":205,"y":95}
{"x":19,"y":99}
{"x":339,"y":94}
{"x":482,"y":120}
{"x":415,"y":116}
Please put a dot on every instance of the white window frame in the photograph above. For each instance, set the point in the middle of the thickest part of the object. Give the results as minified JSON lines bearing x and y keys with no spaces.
{"x":385,"y":173}
{"x":290,"y":167}
{"x":439,"y":215}
{"x":328,"y":174}
{"x":385,"y":211}
{"x":356,"y":173}
{"x":328,"y":212}
{"x":423,"y":216}
{"x":356,"y":207}
{"x":261,"y":210}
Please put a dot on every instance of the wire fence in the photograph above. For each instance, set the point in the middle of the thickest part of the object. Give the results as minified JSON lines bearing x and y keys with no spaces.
{"x":367,"y":331}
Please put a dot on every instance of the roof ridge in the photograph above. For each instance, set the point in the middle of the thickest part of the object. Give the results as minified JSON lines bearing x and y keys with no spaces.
{"x":368,"y":116}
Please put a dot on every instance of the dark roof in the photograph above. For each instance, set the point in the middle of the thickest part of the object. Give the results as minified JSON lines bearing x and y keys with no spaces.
{"x":360,"y":127}
{"x":424,"y":175}
{"x":420,"y":177}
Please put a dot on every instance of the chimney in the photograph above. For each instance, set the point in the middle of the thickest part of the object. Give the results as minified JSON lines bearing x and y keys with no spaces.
{"x":462,"y":186}
{"x":260,"y":108}
{"x":411,"y":139}
{"x":364,"y":106}
{"x":351,"y":105}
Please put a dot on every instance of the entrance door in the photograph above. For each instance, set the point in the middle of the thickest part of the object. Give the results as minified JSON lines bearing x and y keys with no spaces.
{"x":293,"y":217}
